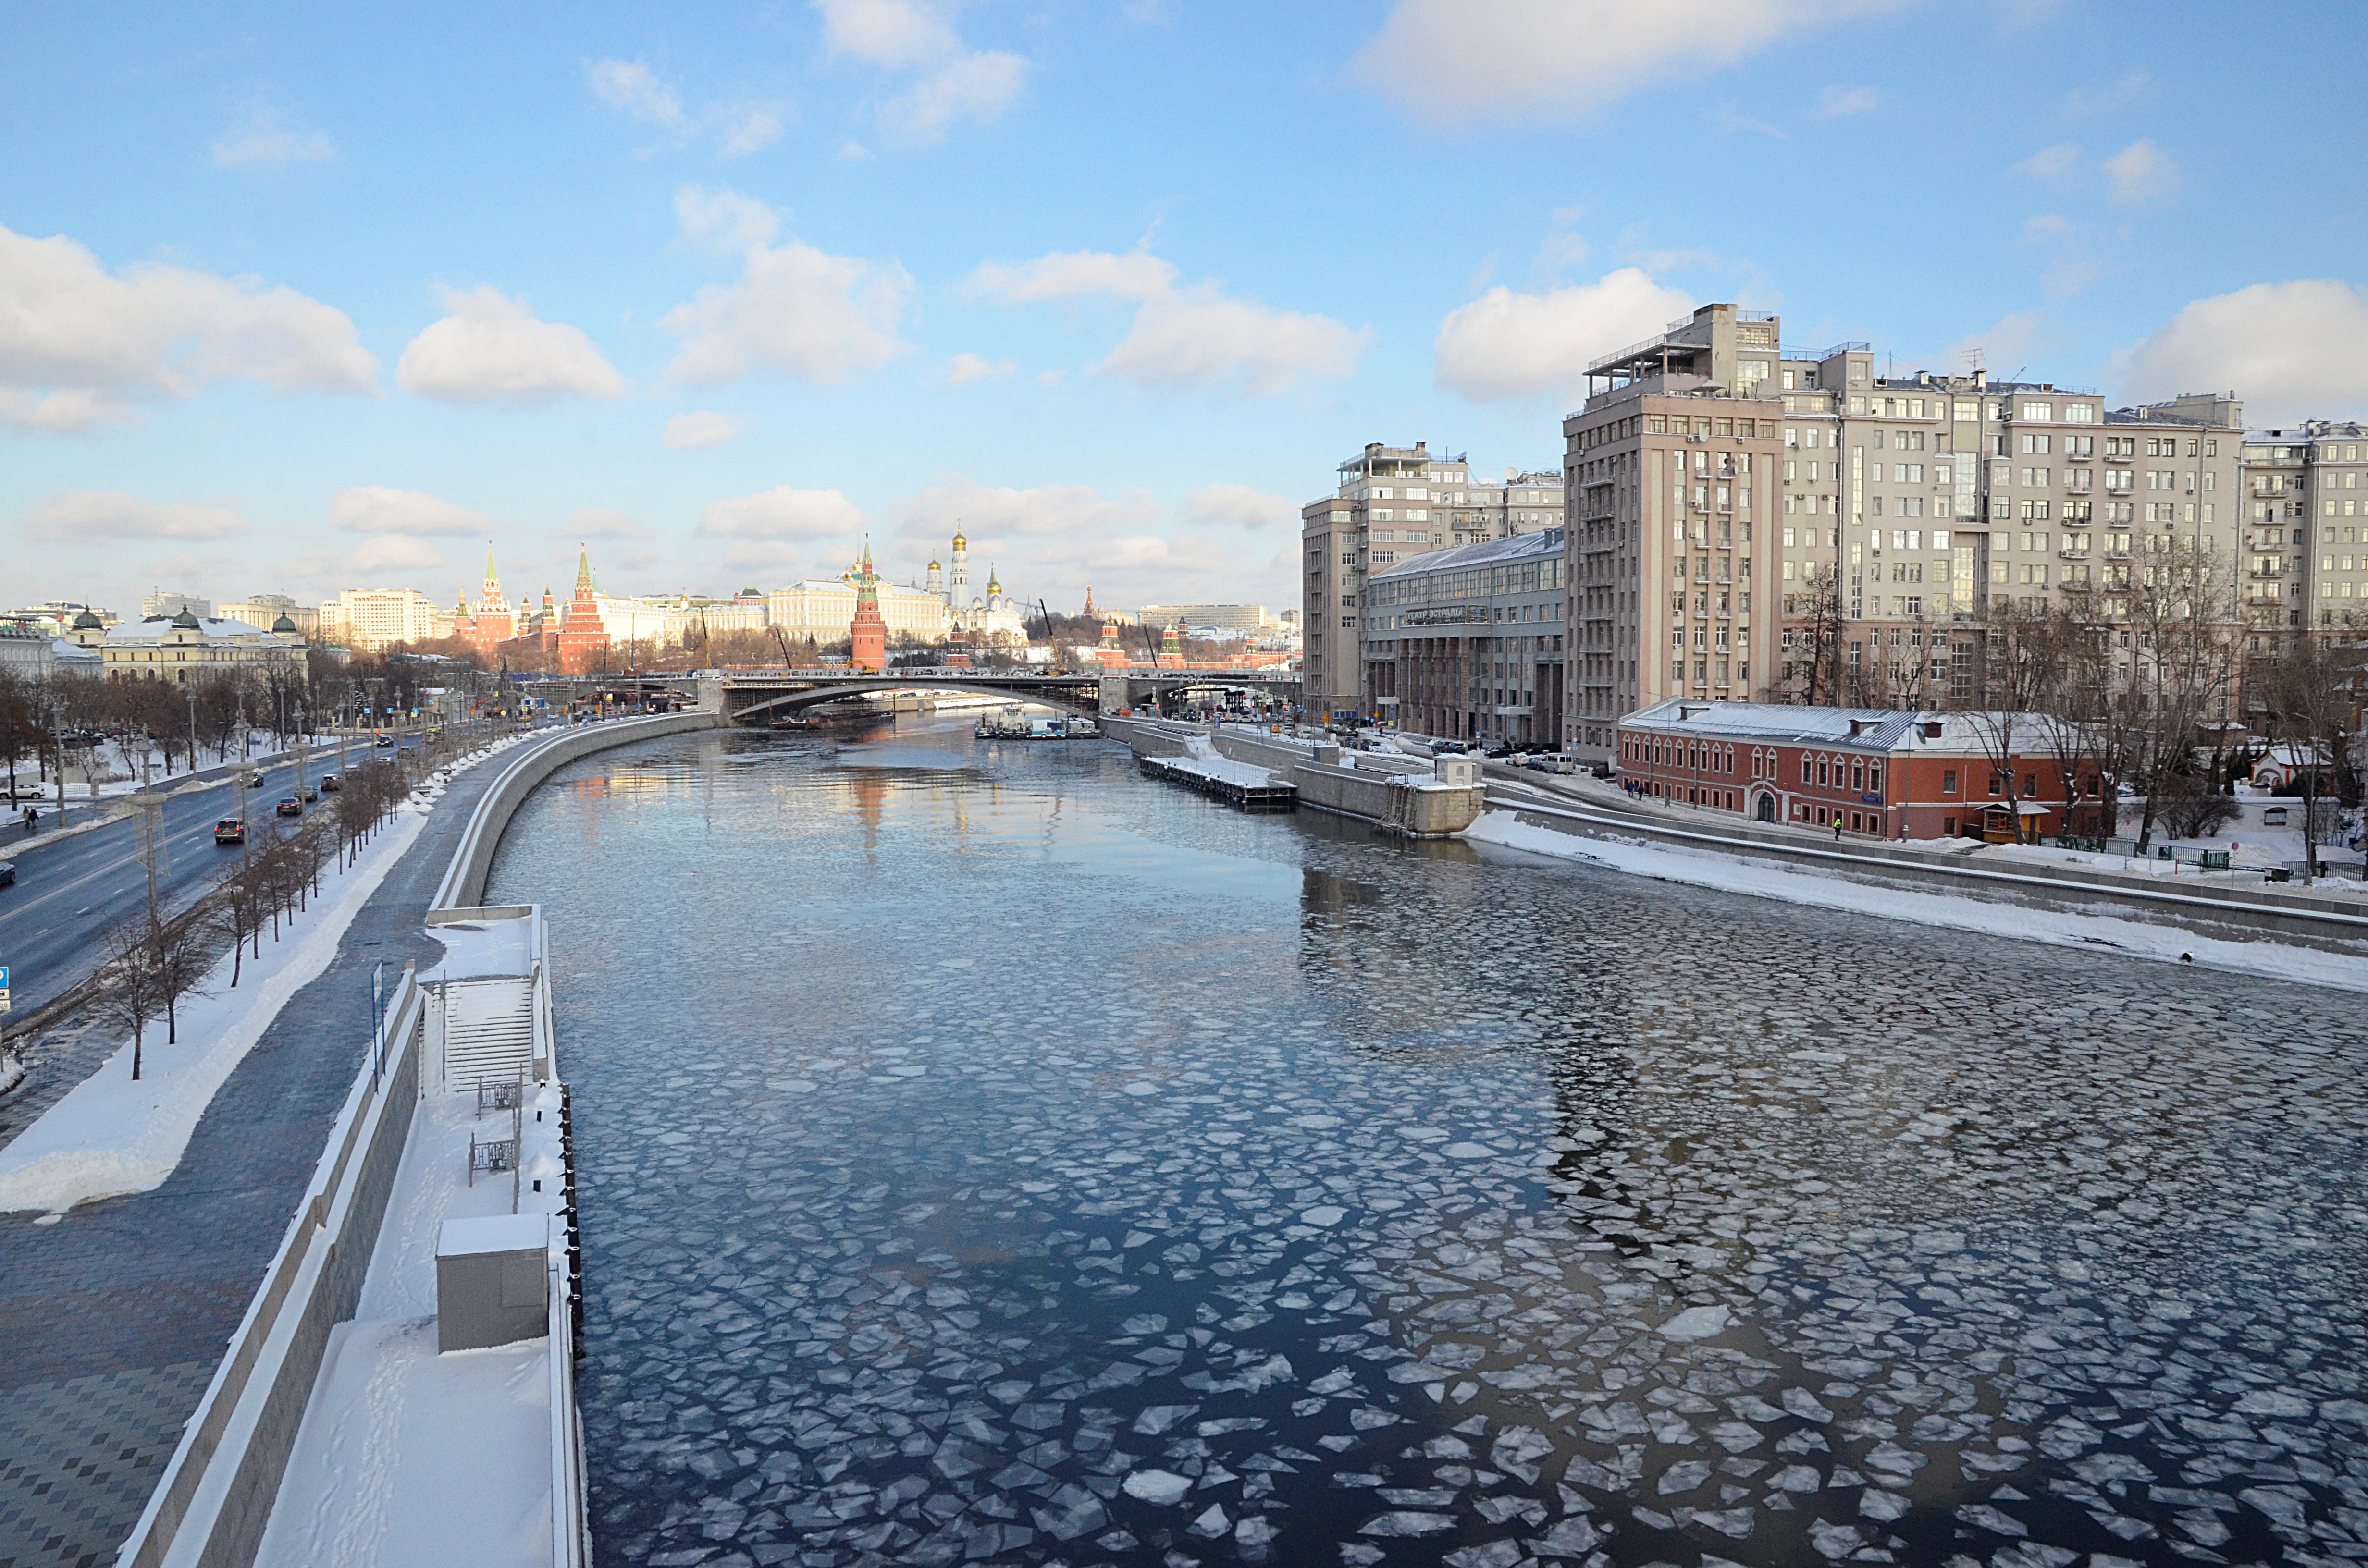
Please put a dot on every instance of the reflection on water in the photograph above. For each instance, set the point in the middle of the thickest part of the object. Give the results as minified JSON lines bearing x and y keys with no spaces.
{"x":1031,"y":1162}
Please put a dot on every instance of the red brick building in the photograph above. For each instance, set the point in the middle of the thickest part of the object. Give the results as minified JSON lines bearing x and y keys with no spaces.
{"x":583,"y":639}
{"x":1873,"y":770}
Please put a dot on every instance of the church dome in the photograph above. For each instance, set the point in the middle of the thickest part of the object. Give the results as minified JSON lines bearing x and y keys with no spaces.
{"x":86,"y":621}
{"x":283,"y":627}
{"x":960,"y":543}
{"x":184,"y":621}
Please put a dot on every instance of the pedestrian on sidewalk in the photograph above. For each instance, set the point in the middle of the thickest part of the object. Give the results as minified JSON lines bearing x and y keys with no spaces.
{"x":33,"y":819}
{"x":1838,"y":827}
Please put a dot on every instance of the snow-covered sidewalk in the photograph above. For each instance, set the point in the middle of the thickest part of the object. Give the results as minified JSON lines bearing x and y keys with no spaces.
{"x":112,"y":1135}
{"x":1202,"y":757}
{"x":2137,"y":938}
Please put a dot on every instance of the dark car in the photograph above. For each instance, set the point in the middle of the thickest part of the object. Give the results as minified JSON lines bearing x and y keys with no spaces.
{"x":1450,"y":748}
{"x":330,"y":784}
{"x":383,"y":742}
{"x":7,"y":875}
{"x":291,"y":807}
{"x":230,"y":830}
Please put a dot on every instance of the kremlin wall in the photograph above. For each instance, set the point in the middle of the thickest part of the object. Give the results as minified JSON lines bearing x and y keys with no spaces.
{"x":577,"y":637}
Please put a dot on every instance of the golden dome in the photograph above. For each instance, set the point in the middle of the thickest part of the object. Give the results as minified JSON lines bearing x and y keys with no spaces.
{"x":960,"y":543}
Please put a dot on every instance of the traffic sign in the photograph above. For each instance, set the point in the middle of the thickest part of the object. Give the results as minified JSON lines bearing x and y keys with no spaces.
{"x":3,"y":977}
{"x":4,"y":998}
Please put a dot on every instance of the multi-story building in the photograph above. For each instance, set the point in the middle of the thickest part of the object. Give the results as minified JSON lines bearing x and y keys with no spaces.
{"x":2305,"y":526}
{"x":1466,"y":644}
{"x":1382,"y":512}
{"x":175,"y":647}
{"x":262,"y":610}
{"x":1886,"y":772}
{"x":823,"y":609}
{"x":1523,"y":504}
{"x":370,"y":619}
{"x":1219,"y":618}
{"x":1753,"y":521}
{"x":157,"y":602}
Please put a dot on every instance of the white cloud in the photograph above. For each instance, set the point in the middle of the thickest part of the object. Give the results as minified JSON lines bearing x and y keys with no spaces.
{"x":190,"y":568}
{"x":2004,"y":344}
{"x":2140,"y":173}
{"x":824,"y":319}
{"x":77,"y":515}
{"x":1200,"y":338}
{"x":2291,"y":350}
{"x":893,"y":34}
{"x":382,"y":509}
{"x":723,"y":219}
{"x":2125,"y":90}
{"x":1137,"y":275}
{"x":997,"y":514}
{"x":489,"y":348}
{"x":747,"y":131}
{"x":1183,"y":338}
{"x":394,"y":553}
{"x":959,"y":83}
{"x":601,"y":522}
{"x":699,"y":430}
{"x":780,"y":514}
{"x":1443,"y":61}
{"x":977,"y":86}
{"x":1836,"y":103}
{"x":1505,"y":345}
{"x":968,"y":367}
{"x":78,"y":341}
{"x":1238,"y":505}
{"x":261,"y":139}
{"x":631,"y":88}
{"x":2050,"y":162}
{"x":1731,"y":120}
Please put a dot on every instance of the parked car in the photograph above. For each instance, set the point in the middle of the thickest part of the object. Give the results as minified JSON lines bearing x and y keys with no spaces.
{"x":7,"y":874}
{"x":28,"y":792}
{"x":1450,"y":748}
{"x":230,"y":830}
{"x":291,"y":807}
{"x":331,"y":784}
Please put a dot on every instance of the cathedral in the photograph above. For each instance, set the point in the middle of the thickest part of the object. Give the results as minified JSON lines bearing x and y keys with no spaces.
{"x":991,"y":617}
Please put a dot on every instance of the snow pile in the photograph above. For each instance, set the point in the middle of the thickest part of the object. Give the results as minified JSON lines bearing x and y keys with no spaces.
{"x":1200,"y":757}
{"x":2138,"y":938}
{"x":111,"y":1135}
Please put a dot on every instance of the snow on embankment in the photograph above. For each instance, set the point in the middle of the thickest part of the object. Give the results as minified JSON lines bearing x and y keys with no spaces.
{"x":1202,"y":757}
{"x":2137,"y":939}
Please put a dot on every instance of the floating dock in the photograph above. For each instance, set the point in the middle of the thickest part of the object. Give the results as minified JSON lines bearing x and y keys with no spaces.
{"x":1268,"y":797}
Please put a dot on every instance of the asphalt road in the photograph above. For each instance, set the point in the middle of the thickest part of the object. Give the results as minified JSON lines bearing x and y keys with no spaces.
{"x":53,"y":920}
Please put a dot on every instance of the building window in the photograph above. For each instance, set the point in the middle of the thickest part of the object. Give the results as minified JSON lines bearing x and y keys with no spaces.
{"x":1947,"y":781}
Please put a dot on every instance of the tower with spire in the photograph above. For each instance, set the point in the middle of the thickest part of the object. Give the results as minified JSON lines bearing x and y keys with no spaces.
{"x":583,"y":639}
{"x":867,"y":633}
{"x":493,"y":623}
{"x":958,"y":578}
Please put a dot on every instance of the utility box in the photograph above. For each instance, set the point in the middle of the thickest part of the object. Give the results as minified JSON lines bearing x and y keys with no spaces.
{"x":493,"y":1280}
{"x":1458,"y":772}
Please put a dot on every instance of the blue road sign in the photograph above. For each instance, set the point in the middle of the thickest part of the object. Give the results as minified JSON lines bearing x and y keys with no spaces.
{"x":3,"y":977}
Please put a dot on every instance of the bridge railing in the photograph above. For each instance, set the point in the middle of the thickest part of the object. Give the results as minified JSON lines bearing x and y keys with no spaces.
{"x":839,"y":675}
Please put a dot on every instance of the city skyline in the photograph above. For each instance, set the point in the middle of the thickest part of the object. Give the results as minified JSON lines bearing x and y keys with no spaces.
{"x":662,"y":287}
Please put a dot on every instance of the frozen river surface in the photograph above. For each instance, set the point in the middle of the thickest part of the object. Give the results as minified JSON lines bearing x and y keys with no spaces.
{"x":1029,"y":1162}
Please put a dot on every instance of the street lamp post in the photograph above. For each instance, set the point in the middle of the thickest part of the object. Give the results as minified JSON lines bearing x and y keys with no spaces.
{"x":193,"y":730}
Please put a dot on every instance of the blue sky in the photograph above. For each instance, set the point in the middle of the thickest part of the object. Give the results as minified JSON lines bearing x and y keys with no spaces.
{"x":297,"y":298}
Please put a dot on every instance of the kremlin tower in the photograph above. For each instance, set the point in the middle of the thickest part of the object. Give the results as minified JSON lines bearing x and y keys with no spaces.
{"x":958,"y":579}
{"x":869,"y":630}
{"x":492,"y":625}
{"x":1171,"y":649}
{"x":583,"y":641}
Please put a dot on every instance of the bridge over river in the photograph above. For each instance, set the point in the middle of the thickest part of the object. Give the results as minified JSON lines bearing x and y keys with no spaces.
{"x":758,"y":696}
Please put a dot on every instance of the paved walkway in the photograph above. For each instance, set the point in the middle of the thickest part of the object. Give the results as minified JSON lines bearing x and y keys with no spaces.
{"x":114,"y":1318}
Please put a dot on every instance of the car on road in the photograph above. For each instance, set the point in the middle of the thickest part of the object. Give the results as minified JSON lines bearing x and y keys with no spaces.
{"x":291,"y":807}
{"x":7,"y":874}
{"x":28,"y":792}
{"x":311,"y":795}
{"x":331,"y":784}
{"x":383,"y":742}
{"x":230,"y":830}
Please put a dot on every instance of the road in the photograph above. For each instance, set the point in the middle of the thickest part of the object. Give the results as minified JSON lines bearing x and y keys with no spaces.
{"x":51,"y":920}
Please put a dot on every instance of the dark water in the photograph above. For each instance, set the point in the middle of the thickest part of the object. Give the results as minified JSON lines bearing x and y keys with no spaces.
{"x":1008,"y":1158}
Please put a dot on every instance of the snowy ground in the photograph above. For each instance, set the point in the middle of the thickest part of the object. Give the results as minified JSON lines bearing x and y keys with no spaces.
{"x":408,"y":1458}
{"x":1731,"y":874}
{"x":121,"y":772}
{"x":1200,"y":757}
{"x":112,"y":1135}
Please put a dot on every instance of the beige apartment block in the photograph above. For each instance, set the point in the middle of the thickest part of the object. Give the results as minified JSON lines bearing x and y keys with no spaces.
{"x":2305,"y":527}
{"x":1851,"y":547}
{"x":1384,"y":510}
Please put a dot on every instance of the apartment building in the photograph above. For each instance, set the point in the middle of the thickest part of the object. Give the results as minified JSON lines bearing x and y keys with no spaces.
{"x":1382,"y":512}
{"x":2305,"y":526}
{"x":1524,"y":503}
{"x":369,"y":619}
{"x":1467,"y":643}
{"x":1752,"y":521}
{"x":263,"y":609}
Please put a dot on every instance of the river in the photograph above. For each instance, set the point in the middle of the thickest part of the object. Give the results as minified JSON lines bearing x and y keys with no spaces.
{"x":989,"y":1155}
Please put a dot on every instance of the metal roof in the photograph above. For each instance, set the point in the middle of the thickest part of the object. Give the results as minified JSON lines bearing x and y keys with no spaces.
{"x":1488,"y":552}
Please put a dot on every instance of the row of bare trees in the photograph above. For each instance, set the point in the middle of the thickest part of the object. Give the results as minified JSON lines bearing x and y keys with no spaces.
{"x":2137,"y":683}
{"x":154,"y":963}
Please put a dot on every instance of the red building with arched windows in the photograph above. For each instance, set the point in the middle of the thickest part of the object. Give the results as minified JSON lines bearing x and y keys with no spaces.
{"x":1875,"y":771}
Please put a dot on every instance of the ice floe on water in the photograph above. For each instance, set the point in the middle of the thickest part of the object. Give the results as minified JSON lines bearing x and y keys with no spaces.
{"x":1470,"y":1215}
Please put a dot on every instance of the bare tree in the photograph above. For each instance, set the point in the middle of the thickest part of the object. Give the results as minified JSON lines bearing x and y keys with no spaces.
{"x":1817,"y":643}
{"x":2020,"y":670}
{"x":2303,"y":689}
{"x":181,"y":952}
{"x":2175,"y":658}
{"x":130,"y":993}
